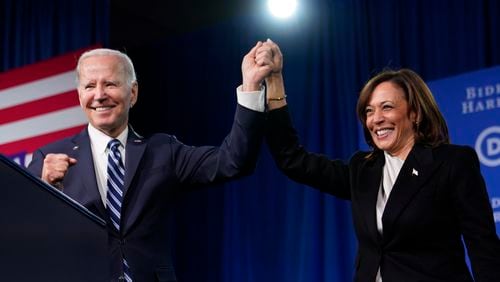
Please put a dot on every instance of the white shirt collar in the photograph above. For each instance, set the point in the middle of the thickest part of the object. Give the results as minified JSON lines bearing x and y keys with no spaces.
{"x":99,"y":140}
{"x":393,"y":159}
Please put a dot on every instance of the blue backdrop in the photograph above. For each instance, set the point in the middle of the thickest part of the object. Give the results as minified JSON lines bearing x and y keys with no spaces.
{"x":471,"y":105}
{"x":265,"y":227}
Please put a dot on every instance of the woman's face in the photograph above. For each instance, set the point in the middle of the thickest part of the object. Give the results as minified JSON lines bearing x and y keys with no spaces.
{"x":389,"y":121}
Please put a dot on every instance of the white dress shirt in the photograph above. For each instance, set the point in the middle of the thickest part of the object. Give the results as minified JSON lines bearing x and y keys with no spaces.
{"x":253,"y":100}
{"x":390,"y":172}
{"x":98,"y":144}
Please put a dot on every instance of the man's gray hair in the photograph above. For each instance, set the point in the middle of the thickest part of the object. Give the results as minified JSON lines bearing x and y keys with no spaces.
{"x":128,"y":66}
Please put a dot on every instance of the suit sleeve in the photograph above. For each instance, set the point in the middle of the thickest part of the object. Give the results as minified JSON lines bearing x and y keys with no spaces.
{"x":235,"y":157}
{"x":472,"y":205}
{"x":36,"y":164}
{"x":318,"y":171}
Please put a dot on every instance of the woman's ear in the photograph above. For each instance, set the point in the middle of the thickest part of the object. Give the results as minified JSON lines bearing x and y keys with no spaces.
{"x":415,"y":117}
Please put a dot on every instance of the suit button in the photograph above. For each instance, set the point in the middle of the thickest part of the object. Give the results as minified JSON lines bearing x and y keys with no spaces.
{"x":122,"y":242}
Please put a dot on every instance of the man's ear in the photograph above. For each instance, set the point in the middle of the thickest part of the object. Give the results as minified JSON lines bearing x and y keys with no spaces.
{"x":134,"y":93}
{"x":80,"y":98}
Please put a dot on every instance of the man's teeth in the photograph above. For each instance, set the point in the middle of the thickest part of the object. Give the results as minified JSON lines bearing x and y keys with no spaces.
{"x":100,"y":109}
{"x":382,"y":132}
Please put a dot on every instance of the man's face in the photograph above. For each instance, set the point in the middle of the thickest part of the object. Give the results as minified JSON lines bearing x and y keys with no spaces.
{"x":104,"y":93}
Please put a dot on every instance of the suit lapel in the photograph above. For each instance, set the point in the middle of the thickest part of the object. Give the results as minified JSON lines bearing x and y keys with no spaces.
{"x":134,"y":152}
{"x":86,"y":171}
{"x":417,"y":168}
{"x":85,"y":167}
{"x":369,"y":186}
{"x":135,"y":149}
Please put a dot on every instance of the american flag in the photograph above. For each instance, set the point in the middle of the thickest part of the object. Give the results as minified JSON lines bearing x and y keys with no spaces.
{"x":38,"y":105}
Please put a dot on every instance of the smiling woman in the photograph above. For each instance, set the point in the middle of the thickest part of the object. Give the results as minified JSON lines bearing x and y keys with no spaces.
{"x":414,"y":196}
{"x":404,"y":96}
{"x":389,"y":120}
{"x":428,"y":124}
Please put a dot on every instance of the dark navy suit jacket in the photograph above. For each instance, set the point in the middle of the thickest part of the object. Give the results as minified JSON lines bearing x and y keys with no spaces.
{"x":439,"y":197}
{"x":155,"y":168}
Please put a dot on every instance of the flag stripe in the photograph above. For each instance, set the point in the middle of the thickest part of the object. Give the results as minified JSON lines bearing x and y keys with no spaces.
{"x":42,"y":106}
{"x":33,"y":143}
{"x":39,"y":104}
{"x":38,"y":89}
{"x":41,"y":69}
{"x":42,"y":124}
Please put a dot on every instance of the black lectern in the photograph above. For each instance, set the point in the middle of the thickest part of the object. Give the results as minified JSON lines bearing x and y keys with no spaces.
{"x":44,"y":235}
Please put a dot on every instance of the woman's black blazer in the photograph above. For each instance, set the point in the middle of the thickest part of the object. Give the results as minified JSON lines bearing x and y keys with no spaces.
{"x":439,"y":197}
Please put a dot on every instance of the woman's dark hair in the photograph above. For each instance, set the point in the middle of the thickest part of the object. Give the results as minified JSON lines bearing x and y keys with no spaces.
{"x":430,"y":126}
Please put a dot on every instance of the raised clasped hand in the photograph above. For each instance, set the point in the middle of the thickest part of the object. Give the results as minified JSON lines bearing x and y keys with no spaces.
{"x":271,"y":56}
{"x":263,"y":60}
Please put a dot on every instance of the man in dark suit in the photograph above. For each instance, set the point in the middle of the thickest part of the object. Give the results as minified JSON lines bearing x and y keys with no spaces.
{"x":128,"y":180}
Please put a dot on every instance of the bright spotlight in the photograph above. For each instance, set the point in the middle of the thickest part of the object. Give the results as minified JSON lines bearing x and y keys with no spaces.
{"x":282,"y":8}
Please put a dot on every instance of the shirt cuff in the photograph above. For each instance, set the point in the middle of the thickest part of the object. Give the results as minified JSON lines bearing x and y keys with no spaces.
{"x":253,"y":100}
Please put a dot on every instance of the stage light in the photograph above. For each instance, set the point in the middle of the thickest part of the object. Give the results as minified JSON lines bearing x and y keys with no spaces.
{"x":282,"y":8}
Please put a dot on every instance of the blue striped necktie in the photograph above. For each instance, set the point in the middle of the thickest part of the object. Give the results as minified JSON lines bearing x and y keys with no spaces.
{"x":115,"y":182}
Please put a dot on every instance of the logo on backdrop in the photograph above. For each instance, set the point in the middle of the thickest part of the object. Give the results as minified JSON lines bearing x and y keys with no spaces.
{"x":38,"y":105}
{"x":473,"y":119}
{"x":481,"y":98}
{"x":488,"y":146}
{"x":495,"y":204}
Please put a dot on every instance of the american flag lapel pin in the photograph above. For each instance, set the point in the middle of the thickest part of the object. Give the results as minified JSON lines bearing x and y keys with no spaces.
{"x":414,"y":172}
